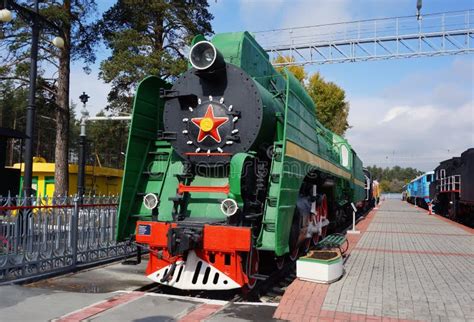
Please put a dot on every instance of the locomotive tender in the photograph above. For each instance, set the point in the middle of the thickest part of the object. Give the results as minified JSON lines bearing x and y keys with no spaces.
{"x":229,"y":165}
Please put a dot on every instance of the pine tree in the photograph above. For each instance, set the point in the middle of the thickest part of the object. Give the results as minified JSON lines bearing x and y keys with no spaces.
{"x":332,"y":109}
{"x":147,"y":38}
{"x":79,"y":39}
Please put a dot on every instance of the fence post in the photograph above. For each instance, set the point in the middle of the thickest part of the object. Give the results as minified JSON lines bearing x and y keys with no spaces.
{"x":74,"y":230}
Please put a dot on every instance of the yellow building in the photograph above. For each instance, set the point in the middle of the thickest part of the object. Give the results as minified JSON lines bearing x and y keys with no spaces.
{"x":98,"y":181}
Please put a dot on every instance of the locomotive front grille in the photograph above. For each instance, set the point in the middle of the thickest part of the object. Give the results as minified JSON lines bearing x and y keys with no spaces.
{"x":194,"y":274}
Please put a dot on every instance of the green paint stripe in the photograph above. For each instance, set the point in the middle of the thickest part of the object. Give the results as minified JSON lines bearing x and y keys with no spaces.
{"x":299,"y":153}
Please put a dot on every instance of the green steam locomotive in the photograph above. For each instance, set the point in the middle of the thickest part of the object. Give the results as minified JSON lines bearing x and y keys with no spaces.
{"x":228,"y":168}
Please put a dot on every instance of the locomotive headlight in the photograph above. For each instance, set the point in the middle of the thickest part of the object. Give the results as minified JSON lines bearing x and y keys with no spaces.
{"x":229,"y":207}
{"x":150,"y":201}
{"x":204,"y":55}
{"x":209,"y":55}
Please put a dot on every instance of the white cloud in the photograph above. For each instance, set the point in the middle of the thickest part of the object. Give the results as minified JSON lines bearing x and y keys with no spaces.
{"x":413,"y":136}
{"x":287,"y":16}
{"x":394,"y":113}
{"x":418,"y":122}
{"x":256,"y":15}
{"x":446,"y":87}
{"x":316,"y":12}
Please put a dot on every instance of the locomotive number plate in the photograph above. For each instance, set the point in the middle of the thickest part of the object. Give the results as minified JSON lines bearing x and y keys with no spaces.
{"x":144,"y":230}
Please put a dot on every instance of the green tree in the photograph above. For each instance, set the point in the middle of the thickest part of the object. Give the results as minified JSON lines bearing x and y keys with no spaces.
{"x":393,"y":179}
{"x":79,"y":40}
{"x":332,"y":109}
{"x":297,"y":70}
{"x":108,"y":142}
{"x":147,"y":38}
{"x":385,"y":186}
{"x":74,"y":130}
{"x":13,"y":115}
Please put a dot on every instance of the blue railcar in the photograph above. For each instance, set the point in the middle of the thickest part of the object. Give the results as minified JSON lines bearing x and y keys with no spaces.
{"x":417,"y":191}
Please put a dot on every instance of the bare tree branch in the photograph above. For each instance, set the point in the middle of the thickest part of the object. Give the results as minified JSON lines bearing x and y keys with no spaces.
{"x":24,"y":80}
{"x":176,"y":50}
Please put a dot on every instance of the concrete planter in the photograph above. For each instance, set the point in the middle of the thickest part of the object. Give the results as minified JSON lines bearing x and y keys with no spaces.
{"x":320,"y":266}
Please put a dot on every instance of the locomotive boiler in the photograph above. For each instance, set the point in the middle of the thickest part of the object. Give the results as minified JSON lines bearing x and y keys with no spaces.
{"x":229,"y":165}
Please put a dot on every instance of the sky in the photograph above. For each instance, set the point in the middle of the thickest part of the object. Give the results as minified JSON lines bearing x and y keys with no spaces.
{"x":410,"y":112}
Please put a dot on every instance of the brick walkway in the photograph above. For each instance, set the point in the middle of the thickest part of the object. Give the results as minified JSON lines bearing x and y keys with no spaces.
{"x":407,"y":265}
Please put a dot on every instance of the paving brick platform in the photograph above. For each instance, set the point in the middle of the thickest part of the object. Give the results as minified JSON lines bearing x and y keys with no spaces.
{"x":406,"y":265}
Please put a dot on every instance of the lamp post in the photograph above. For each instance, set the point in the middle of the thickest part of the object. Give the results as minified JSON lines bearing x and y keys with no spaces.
{"x":419,"y":4}
{"x":37,"y":23}
{"x":81,"y":172}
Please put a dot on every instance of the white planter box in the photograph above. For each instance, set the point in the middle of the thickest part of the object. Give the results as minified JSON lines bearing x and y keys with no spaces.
{"x":319,"y":270}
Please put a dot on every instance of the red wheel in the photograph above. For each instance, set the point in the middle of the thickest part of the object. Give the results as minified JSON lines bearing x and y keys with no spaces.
{"x":315,"y":239}
{"x":324,"y":206}
{"x":251,"y":268}
{"x":307,"y":245}
{"x":294,"y":254}
{"x":294,"y":237}
{"x":322,"y":214}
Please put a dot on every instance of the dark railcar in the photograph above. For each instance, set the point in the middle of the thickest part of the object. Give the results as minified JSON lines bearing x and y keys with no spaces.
{"x":452,"y":191}
{"x":371,"y":198}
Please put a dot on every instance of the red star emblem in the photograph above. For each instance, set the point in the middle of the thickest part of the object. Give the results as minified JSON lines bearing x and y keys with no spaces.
{"x":209,"y":125}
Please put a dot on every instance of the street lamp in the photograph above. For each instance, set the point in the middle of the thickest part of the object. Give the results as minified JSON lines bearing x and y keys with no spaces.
{"x":5,"y":15}
{"x":58,"y":42}
{"x":81,"y":171}
{"x":37,"y":22}
{"x":419,"y":4}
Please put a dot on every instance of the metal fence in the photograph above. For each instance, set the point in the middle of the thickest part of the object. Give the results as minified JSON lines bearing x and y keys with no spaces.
{"x":42,"y":236}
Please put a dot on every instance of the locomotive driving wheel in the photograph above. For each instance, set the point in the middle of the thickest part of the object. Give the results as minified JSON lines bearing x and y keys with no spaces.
{"x":280,"y":262}
{"x":251,"y":268}
{"x":322,"y":213}
{"x":294,"y":243}
{"x":307,"y":245}
{"x":294,"y":254}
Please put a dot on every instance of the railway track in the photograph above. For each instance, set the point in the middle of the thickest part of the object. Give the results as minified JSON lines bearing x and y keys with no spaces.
{"x":272,"y":288}
{"x":269,"y":290}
